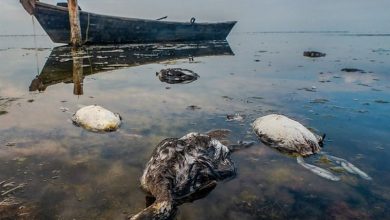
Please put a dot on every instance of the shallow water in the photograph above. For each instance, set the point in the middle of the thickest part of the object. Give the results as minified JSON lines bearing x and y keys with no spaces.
{"x":71,"y":173}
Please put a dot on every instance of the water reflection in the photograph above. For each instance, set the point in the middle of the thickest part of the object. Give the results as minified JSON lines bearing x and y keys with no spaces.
{"x":74,"y":174}
{"x":67,"y":65}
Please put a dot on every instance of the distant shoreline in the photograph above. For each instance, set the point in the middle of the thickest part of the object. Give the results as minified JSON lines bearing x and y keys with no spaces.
{"x":341,"y":33}
{"x":22,"y":35}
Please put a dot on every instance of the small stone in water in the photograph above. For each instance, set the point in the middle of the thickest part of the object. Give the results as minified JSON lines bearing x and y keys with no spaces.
{"x":64,"y":109}
{"x":352,"y":70}
{"x":227,"y":97}
{"x":10,"y":144}
{"x":193,"y":107}
{"x":96,"y":118}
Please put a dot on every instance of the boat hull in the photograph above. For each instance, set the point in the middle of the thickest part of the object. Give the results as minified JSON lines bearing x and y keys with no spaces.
{"x":102,"y":29}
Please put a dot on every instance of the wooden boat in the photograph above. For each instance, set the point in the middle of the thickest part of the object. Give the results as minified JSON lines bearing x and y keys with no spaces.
{"x":103,"y":29}
{"x":59,"y":66}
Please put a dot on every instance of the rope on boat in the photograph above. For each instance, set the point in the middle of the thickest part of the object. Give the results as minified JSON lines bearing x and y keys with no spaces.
{"x":86,"y":32}
{"x":35,"y":45}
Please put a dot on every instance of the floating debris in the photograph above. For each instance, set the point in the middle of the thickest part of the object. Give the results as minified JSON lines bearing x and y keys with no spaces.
{"x":235,"y":117}
{"x":312,"y":89}
{"x":177,"y":76}
{"x":313,"y":54}
{"x":10,"y":206}
{"x":363,"y":84}
{"x":381,"y":101}
{"x":13,"y":189}
{"x":361,"y":111}
{"x":227,"y":98}
{"x":64,"y":109}
{"x":319,"y":101}
{"x":381,"y":50}
{"x":257,"y":97}
{"x":193,"y":107}
{"x":96,"y":118}
{"x":352,"y":70}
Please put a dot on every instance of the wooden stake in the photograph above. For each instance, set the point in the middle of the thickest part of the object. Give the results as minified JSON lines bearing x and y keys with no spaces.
{"x":77,"y":71}
{"x":74,"y":19}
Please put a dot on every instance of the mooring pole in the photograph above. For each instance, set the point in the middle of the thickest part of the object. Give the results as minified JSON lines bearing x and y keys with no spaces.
{"x":74,"y":19}
{"x":78,"y":77}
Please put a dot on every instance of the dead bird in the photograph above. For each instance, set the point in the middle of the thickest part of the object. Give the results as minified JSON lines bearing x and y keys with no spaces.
{"x":177,"y":76}
{"x":289,"y":136}
{"x":97,"y":119}
{"x":184,"y":170}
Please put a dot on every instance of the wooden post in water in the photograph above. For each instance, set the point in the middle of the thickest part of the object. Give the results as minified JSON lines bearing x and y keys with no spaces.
{"x":78,"y":77}
{"x":74,"y":19}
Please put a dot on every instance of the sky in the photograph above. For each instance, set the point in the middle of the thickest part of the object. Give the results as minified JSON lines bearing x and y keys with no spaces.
{"x":359,"y":16}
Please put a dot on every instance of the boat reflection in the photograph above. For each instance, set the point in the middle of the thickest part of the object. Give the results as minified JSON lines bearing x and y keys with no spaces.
{"x":67,"y":65}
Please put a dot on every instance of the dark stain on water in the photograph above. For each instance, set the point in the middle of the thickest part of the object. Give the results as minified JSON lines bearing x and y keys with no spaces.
{"x":70,"y":173}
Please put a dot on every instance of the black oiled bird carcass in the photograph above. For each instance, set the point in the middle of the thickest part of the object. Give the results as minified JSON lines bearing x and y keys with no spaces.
{"x":184,"y":170}
{"x":177,"y":76}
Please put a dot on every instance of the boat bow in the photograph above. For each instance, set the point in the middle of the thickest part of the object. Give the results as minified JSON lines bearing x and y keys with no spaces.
{"x":29,"y":5}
